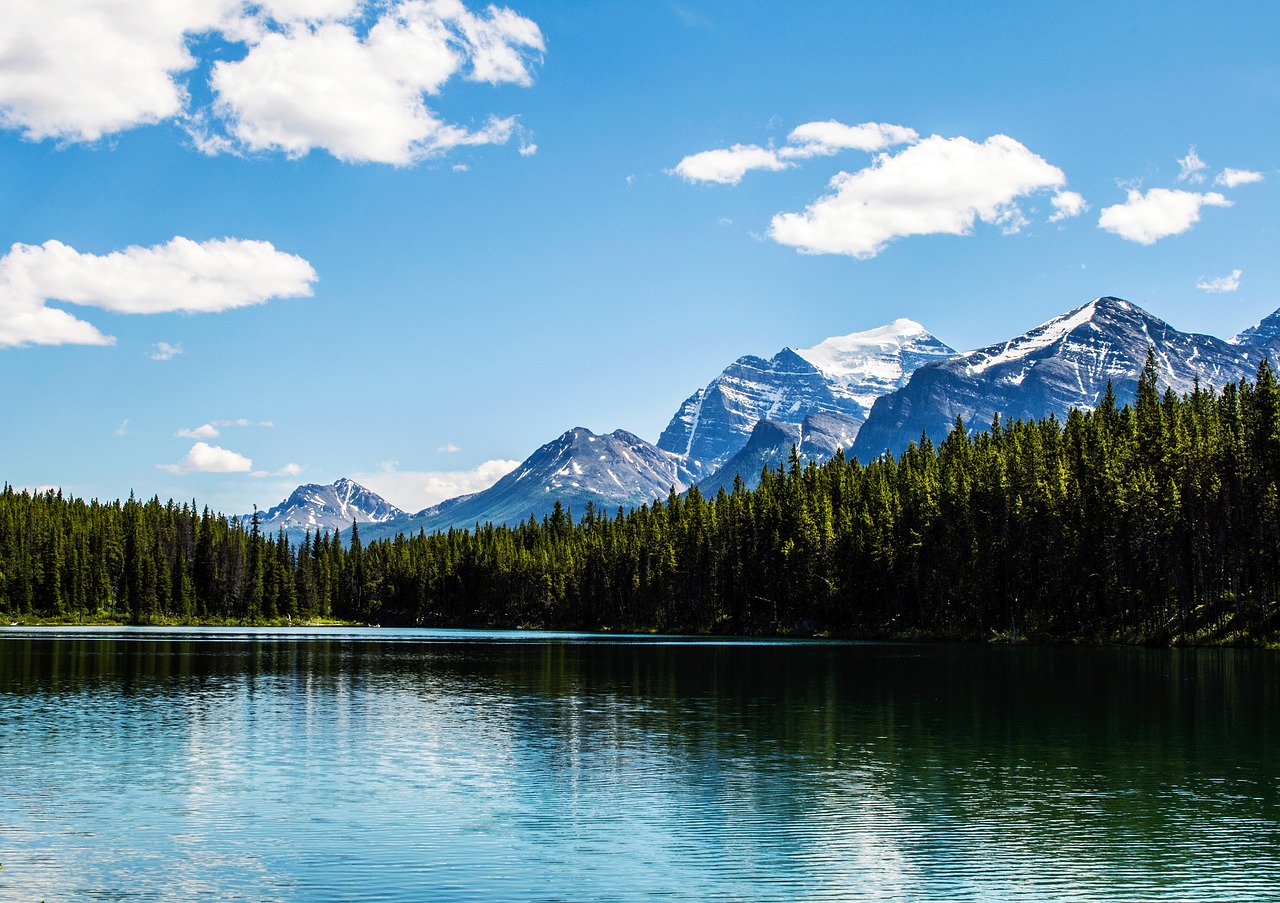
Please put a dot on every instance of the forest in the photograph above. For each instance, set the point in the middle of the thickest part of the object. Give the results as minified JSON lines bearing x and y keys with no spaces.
{"x":1155,"y":522}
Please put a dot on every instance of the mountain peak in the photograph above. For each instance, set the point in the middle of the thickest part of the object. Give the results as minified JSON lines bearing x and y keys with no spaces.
{"x":1111,"y":302}
{"x":862,"y":366}
{"x":318,"y":507}
{"x":1101,"y":315}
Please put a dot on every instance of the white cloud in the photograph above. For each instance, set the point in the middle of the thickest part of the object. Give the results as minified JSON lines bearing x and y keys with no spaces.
{"x":1230,"y":178}
{"x":347,"y":76}
{"x":449,"y":447}
{"x":727,"y":166}
{"x":1067,"y":204}
{"x":79,"y":69}
{"x":181,"y":275}
{"x":123,"y":428}
{"x":415,"y":490}
{"x":1161,"y":212}
{"x":204,"y":431}
{"x":939,"y":186}
{"x":361,"y":97}
{"x":1192,"y":167}
{"x":528,"y":150}
{"x":824,"y":138}
{"x":1222,"y":284}
{"x":205,"y":458}
{"x":163,"y":351}
{"x":289,"y":470}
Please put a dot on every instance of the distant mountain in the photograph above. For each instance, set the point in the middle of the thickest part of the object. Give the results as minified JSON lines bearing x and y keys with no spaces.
{"x":318,"y":508}
{"x":1061,"y":364}
{"x":862,"y":366}
{"x":816,"y":439}
{"x":611,"y":471}
{"x":842,"y":375}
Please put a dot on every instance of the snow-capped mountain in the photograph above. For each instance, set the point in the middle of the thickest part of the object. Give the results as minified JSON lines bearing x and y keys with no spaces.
{"x":610,"y":471}
{"x":318,"y":508}
{"x":816,"y":439}
{"x":841,"y":375}
{"x":862,"y":366}
{"x":1061,"y":364}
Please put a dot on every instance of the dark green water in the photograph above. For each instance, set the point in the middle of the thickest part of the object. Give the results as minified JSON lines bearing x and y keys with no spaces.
{"x":407,"y":765}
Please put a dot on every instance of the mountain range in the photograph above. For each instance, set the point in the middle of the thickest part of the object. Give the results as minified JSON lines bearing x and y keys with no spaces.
{"x":867,"y":393}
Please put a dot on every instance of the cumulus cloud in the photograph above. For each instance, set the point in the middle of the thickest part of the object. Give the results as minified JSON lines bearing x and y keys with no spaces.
{"x":206,"y":458}
{"x":938,"y":186}
{"x":727,"y":166}
{"x":1222,"y":284}
{"x":289,"y":470}
{"x":362,"y":97}
{"x":1067,"y":204}
{"x":181,"y":275}
{"x":163,"y":351}
{"x":1192,"y":167}
{"x":204,"y":431}
{"x":346,"y":76}
{"x":1161,"y":212}
{"x":415,"y":490}
{"x":1230,"y":178}
{"x":76,"y":70}
{"x":449,"y":447}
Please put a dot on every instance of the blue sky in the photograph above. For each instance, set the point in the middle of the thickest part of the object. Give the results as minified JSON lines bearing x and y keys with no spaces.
{"x":409,"y":241}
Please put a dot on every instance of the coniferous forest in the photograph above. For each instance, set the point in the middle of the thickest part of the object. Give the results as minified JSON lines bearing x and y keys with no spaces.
{"x":1155,"y":522}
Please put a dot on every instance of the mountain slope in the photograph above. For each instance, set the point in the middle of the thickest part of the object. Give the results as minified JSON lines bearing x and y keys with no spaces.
{"x":1063,"y":363}
{"x":610,"y":471}
{"x":816,"y":439}
{"x":715,"y":422}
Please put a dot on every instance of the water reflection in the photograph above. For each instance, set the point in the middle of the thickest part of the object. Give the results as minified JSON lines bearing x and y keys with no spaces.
{"x":453,"y":766}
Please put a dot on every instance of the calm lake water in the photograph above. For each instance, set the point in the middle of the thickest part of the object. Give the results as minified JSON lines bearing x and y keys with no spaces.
{"x":448,"y":765}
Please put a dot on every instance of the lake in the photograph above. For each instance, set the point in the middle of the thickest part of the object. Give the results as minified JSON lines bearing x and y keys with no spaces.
{"x":353,"y":765}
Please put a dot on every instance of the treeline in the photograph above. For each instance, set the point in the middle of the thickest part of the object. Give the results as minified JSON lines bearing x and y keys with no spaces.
{"x":1155,"y":522}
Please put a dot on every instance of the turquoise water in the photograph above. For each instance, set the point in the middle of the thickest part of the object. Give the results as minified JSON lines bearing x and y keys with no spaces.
{"x":345,"y":765}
